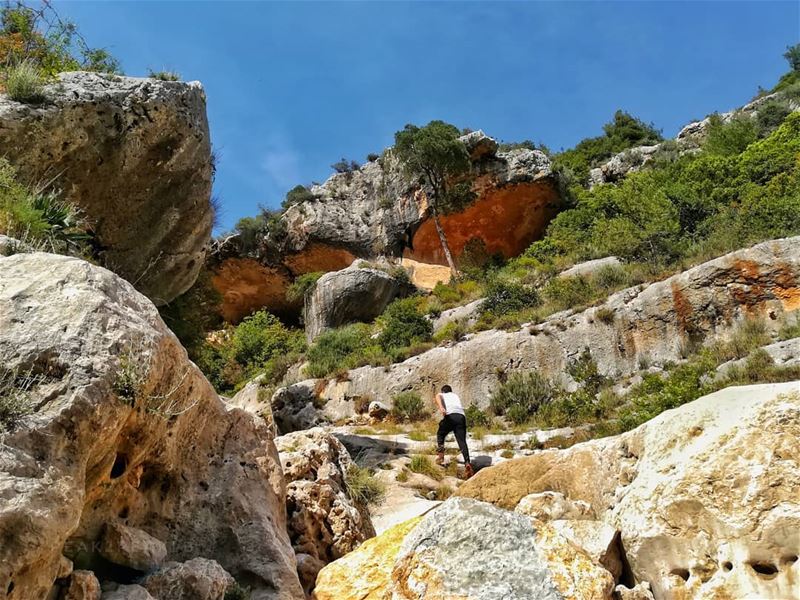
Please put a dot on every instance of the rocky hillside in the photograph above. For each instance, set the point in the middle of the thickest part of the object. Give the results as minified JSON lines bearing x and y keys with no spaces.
{"x":134,"y":156}
{"x":376,"y":211}
{"x":682,"y":507}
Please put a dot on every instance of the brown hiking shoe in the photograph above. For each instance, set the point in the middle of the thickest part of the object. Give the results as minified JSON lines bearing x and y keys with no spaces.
{"x":468,"y":471}
{"x":440,"y":458}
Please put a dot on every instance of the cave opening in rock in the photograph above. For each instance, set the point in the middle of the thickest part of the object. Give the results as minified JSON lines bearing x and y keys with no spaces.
{"x":682,"y":573}
{"x":727,"y":566}
{"x":119,"y":466}
{"x":764,"y":569}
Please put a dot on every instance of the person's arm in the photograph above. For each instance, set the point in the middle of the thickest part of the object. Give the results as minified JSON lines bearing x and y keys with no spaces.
{"x":440,"y":404}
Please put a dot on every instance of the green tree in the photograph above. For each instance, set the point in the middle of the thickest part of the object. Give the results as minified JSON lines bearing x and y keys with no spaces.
{"x":792,"y":55}
{"x":435,"y":154}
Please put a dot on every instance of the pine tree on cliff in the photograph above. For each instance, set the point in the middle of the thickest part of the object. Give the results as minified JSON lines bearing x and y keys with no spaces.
{"x":435,"y":154}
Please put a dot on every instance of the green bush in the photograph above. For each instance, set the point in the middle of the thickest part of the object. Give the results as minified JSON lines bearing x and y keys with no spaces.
{"x":237,"y":592}
{"x":452,"y":331}
{"x":521,"y":396}
{"x":408,"y":406}
{"x":403,"y":325}
{"x":424,"y":466}
{"x":503,"y":297}
{"x":262,"y":336}
{"x":164,"y":75}
{"x":731,"y":138}
{"x":569,"y":292}
{"x":339,"y":349}
{"x":298,"y":288}
{"x":477,"y":417}
{"x":297,"y":195}
{"x":24,"y":83}
{"x":363,"y":487}
{"x":770,"y":116}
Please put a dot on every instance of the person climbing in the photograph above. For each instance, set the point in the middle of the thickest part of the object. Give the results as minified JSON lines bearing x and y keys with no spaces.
{"x":453,"y":420}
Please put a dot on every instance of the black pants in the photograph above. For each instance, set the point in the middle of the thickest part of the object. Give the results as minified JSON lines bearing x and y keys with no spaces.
{"x":456,"y":424}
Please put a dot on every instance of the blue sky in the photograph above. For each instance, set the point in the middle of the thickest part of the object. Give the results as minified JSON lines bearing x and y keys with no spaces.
{"x":294,"y":86}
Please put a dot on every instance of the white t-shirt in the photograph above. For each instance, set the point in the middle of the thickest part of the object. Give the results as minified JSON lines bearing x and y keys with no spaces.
{"x":452,"y":404}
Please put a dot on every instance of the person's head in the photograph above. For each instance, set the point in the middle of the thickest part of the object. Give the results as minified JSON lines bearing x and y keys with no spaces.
{"x":446,"y":389}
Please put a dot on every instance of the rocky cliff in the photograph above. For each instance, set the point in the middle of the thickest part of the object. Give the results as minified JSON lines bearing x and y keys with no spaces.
{"x":134,"y":156}
{"x":377,"y":211}
{"x":117,"y":454}
{"x":648,"y":324}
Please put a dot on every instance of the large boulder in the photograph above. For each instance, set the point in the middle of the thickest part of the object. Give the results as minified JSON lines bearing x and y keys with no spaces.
{"x":649,"y":324}
{"x":115,"y":424}
{"x":377,"y":211}
{"x":704,"y":496}
{"x":134,"y":156}
{"x":351,"y":295}
{"x":325,"y":522}
{"x":468,"y":550}
{"x":196,"y":579}
{"x":131,"y":547}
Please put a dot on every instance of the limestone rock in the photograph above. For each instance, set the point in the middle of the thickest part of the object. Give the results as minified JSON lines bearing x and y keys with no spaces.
{"x":472,"y":550}
{"x":378,"y":410}
{"x":325,"y":523}
{"x":196,"y":579}
{"x":124,"y":426}
{"x":377,"y":211}
{"x":467,"y":314}
{"x":641,"y":591}
{"x":294,"y":407}
{"x":591,"y":267}
{"x":479,"y":144}
{"x":548,"y":506}
{"x":83,"y":585}
{"x":127,"y":592}
{"x":351,"y":295}
{"x":134,"y":155}
{"x":9,"y":246}
{"x":622,"y":164}
{"x":597,"y":539}
{"x":704,"y":495}
{"x":131,"y":547}
{"x":366,"y":572}
{"x":785,"y":353}
{"x":648,"y":323}
{"x":254,"y":397}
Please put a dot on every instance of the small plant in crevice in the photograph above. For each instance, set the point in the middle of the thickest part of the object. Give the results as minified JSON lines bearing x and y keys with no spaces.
{"x":423,"y":465}
{"x":363,"y":487}
{"x":164,"y":75}
{"x":24,"y":83}
{"x":15,"y":396}
{"x":130,"y":376}
{"x":237,"y":592}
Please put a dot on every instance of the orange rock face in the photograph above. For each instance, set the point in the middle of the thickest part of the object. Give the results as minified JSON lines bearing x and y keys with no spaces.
{"x":508,"y":219}
{"x":246,"y":286}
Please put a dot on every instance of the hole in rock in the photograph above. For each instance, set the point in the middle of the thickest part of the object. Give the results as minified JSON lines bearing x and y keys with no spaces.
{"x":789,"y":560}
{"x":682,"y":573}
{"x":123,"y":514}
{"x":764,"y":569}
{"x":10,"y":588}
{"x":119,"y":466}
{"x":727,"y":566}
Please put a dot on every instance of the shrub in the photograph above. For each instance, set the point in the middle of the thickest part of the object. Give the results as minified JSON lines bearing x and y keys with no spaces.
{"x":403,"y":324}
{"x":337,"y":349}
{"x":164,"y":75}
{"x":504,"y":297}
{"x":24,"y":83}
{"x":372,"y":157}
{"x":424,"y":466}
{"x":345,"y":166}
{"x":261,"y":337}
{"x":521,"y":396}
{"x":569,"y":292}
{"x":237,"y":592}
{"x":408,"y":406}
{"x":477,"y":417}
{"x":297,"y":290}
{"x":297,"y":195}
{"x":363,"y":487}
{"x":727,"y":139}
{"x":770,"y":115}
{"x":453,"y":331}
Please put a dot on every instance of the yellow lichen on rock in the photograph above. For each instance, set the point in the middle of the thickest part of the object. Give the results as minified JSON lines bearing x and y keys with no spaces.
{"x":364,"y":574}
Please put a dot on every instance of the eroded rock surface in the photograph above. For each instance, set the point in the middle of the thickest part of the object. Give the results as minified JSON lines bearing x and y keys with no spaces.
{"x":377,"y":211}
{"x":324,"y":522}
{"x":704,"y":496}
{"x":196,"y":579}
{"x":134,"y":155}
{"x":124,"y":428}
{"x":645,"y":324}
